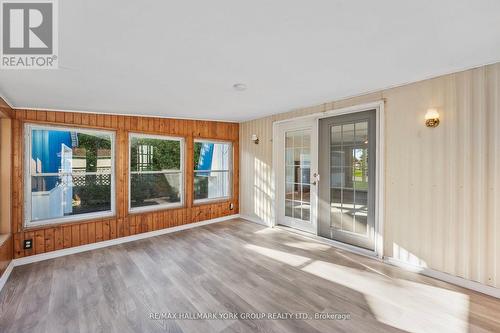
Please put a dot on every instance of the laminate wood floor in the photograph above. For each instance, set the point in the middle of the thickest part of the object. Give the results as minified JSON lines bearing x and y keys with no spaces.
{"x":233,"y":267}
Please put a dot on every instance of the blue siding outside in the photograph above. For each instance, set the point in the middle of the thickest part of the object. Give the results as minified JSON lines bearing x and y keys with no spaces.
{"x":206,"y":156}
{"x":46,"y":147}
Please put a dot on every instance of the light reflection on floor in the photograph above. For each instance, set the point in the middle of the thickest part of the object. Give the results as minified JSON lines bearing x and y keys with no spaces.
{"x":403,"y":304}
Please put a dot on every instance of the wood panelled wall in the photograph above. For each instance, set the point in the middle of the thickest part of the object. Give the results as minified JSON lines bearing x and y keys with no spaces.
{"x":61,"y":236}
{"x":442,"y":185}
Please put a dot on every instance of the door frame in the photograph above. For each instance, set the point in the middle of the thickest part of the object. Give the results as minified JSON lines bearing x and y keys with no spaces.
{"x":378,"y":106}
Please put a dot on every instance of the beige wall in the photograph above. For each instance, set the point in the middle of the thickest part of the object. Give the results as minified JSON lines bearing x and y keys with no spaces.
{"x":5,"y":175}
{"x":442,"y":185}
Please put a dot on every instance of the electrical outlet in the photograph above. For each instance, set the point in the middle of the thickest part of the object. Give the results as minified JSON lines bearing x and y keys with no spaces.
{"x":231,"y":206}
{"x":28,"y":244}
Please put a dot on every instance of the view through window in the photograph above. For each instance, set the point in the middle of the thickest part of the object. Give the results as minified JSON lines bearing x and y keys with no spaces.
{"x":212,"y":173}
{"x":70,"y":173}
{"x":156,"y":178}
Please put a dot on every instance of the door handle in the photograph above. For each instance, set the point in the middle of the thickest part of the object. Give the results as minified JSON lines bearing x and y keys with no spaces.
{"x":316,"y":179}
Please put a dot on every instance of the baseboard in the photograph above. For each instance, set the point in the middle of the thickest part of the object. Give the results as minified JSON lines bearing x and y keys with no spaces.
{"x":461,"y":282}
{"x":116,"y":241}
{"x":254,"y":220}
{"x":6,"y":274}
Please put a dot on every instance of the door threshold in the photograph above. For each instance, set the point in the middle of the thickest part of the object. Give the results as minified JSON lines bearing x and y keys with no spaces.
{"x":336,"y":244}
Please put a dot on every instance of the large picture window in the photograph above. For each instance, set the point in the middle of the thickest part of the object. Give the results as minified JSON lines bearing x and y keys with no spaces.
{"x":156,"y":172}
{"x":212,"y":170}
{"x":69,"y":174}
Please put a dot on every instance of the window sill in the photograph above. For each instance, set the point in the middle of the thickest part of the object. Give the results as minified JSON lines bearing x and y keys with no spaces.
{"x":201,"y":202}
{"x":69,"y":221}
{"x":149,"y":209}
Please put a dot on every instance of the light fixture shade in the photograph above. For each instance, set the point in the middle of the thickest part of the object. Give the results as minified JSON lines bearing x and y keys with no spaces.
{"x":432,"y":118}
{"x":432,"y":114}
{"x":255,"y":138}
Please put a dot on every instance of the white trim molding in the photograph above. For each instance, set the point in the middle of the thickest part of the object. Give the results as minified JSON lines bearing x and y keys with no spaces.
{"x":435,"y":274}
{"x":6,"y":274}
{"x":255,"y":220}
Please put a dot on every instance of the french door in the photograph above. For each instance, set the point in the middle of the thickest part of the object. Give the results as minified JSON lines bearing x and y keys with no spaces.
{"x":347,"y":188}
{"x":296,"y":162}
{"x":325,"y":171}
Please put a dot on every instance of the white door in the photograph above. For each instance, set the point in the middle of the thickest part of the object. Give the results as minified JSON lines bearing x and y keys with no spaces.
{"x":295,"y":151}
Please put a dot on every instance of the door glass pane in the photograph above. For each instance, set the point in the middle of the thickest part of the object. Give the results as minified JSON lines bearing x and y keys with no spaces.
{"x":288,"y":208}
{"x":348,"y":135}
{"x":336,"y":136}
{"x":360,"y":226}
{"x":289,"y":156}
{"x":336,"y":207}
{"x":289,"y":191}
{"x":289,"y":174}
{"x":349,"y":177}
{"x":298,"y":174}
{"x":296,"y":192}
{"x":347,"y":220}
{"x":306,"y":208}
{"x":306,"y":193}
{"x":361,"y":131}
{"x":297,"y":209}
{"x":305,"y":156}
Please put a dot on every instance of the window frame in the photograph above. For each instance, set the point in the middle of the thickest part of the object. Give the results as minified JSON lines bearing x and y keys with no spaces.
{"x":230,"y":171}
{"x":182,"y":141}
{"x":28,"y":222}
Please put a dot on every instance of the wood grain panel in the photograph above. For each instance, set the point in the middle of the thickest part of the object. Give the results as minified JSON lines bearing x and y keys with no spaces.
{"x":54,"y":237}
{"x":6,"y":181}
{"x":6,"y":255}
{"x":5,"y":110}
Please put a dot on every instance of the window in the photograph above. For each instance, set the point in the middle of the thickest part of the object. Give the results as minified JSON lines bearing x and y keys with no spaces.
{"x":69,"y":174}
{"x":212,"y":170}
{"x":156,"y":177}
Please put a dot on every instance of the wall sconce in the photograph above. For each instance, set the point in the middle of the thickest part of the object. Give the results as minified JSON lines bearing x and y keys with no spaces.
{"x":255,"y":139}
{"x":432,"y":118}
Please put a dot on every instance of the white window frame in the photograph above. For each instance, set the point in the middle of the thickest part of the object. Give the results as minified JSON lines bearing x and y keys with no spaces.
{"x":182,"y":171}
{"x":230,"y":170}
{"x":28,"y":223}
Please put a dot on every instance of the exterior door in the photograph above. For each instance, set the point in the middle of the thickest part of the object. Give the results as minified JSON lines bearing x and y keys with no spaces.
{"x":347,"y":186}
{"x":295,"y":164}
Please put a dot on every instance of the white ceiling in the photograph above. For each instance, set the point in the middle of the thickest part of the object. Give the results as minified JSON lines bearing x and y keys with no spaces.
{"x":181,"y":58}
